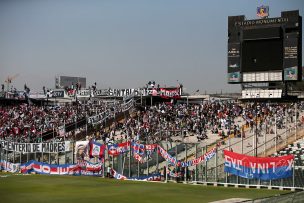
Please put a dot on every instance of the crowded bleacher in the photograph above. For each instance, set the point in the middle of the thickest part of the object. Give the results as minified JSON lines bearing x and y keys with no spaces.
{"x":28,"y":122}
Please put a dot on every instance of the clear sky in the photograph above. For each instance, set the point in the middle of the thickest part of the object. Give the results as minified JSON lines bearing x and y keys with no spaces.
{"x":123,"y":43}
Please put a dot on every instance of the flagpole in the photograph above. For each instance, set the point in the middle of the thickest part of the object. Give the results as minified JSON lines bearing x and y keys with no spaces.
{"x":20,"y":157}
{"x":64,"y":141}
{"x":6,"y":151}
{"x":57,"y":134}
{"x":0,"y":153}
{"x":166,"y":163}
{"x":265,"y":137}
{"x":293,"y":174}
{"x":14,"y":150}
{"x":41,"y":144}
{"x":242,"y":140}
{"x":52,"y":142}
{"x":195,"y":178}
{"x":206,"y":165}
{"x":186,"y":169}
{"x":275,"y":132}
{"x":86,"y":128}
{"x":157,"y":164}
{"x":108,"y":158}
{"x":35,"y":152}
{"x":147,"y":159}
{"x":176,"y":159}
{"x":254,"y":140}
{"x":113,"y":161}
{"x":286,"y":138}
{"x":123,"y":159}
{"x":130,"y":154}
{"x":104,"y":161}
{"x":27,"y":156}
{"x":137,"y":168}
{"x":74,"y":136}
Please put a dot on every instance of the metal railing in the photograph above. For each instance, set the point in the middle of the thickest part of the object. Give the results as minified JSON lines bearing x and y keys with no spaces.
{"x":211,"y":172}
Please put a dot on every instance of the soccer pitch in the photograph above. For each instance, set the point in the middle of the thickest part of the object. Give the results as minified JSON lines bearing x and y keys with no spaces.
{"x":43,"y":188}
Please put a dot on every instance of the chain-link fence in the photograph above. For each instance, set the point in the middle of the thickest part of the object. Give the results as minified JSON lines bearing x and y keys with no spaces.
{"x":262,"y":141}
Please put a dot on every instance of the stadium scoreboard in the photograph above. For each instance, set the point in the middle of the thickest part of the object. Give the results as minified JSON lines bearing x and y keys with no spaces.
{"x":265,"y":50}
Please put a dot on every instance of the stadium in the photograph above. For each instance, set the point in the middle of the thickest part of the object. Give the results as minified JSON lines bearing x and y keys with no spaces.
{"x":77,"y":142}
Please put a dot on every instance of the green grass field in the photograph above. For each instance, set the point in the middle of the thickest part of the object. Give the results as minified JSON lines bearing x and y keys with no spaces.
{"x":43,"y":188}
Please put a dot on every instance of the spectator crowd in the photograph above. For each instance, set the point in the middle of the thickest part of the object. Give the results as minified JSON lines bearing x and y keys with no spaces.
{"x":150,"y":124}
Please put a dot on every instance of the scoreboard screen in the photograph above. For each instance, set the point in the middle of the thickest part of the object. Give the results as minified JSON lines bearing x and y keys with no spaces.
{"x":264,"y":50}
{"x":261,"y":55}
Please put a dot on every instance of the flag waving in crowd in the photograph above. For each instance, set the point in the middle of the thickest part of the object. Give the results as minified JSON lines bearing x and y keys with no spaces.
{"x":138,"y":151}
{"x":96,"y":149}
{"x":150,"y":148}
{"x":138,"y":148}
{"x":117,"y":149}
{"x":143,"y":152}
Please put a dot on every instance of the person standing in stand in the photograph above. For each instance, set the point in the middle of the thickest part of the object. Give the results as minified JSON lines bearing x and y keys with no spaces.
{"x":109,"y":171}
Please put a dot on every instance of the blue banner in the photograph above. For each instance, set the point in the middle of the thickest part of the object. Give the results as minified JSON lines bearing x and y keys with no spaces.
{"x":264,"y":168}
{"x":152,"y":177}
{"x":87,"y":168}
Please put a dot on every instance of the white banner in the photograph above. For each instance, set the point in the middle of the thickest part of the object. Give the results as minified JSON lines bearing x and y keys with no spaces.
{"x":49,"y":147}
{"x":97,"y":118}
{"x":171,"y":92}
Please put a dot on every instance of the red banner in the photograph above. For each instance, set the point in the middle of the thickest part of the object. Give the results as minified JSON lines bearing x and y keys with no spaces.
{"x":265,"y":168}
{"x":169,"y":93}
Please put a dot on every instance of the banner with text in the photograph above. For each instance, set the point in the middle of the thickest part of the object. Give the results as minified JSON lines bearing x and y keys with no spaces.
{"x":169,"y":93}
{"x":174,"y":162}
{"x":264,"y":168}
{"x":204,"y":158}
{"x":172,"y":92}
{"x":48,"y":147}
{"x":62,"y":169}
{"x":153,"y":177}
